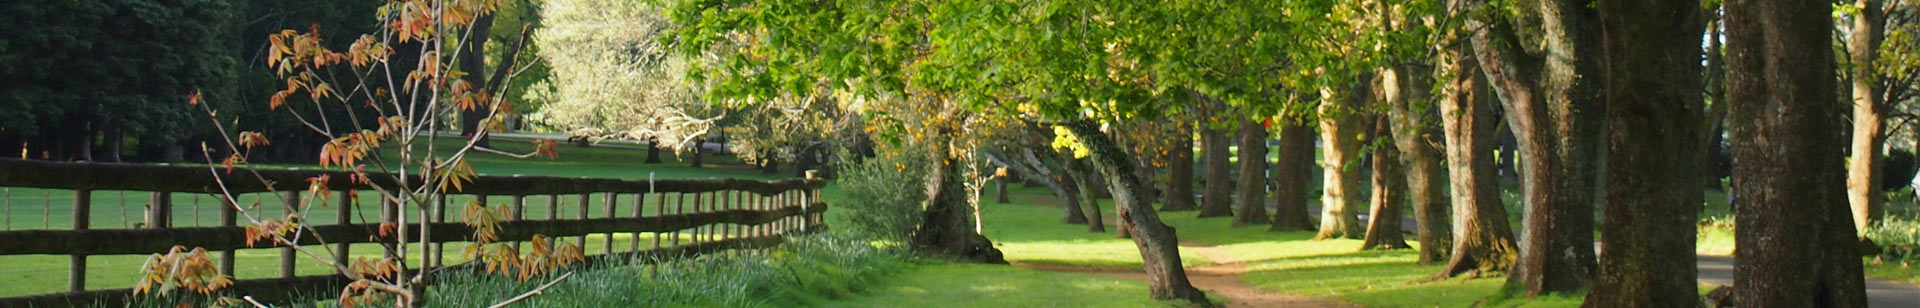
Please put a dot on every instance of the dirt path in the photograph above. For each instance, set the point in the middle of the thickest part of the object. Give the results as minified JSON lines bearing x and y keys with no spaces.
{"x":1221,"y":279}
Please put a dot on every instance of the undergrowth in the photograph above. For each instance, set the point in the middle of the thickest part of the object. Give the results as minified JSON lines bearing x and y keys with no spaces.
{"x":805,"y":271}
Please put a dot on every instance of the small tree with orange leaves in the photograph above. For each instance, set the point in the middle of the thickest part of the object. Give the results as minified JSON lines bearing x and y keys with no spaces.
{"x":407,"y":80}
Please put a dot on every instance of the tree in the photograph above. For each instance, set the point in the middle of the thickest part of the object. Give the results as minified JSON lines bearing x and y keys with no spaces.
{"x":1389,"y":182}
{"x":1482,"y":240}
{"x":1413,"y":115}
{"x":1341,"y":131}
{"x":1555,"y":111}
{"x":90,"y":75}
{"x":1785,"y":126}
{"x":1869,"y":112}
{"x":1293,"y":177}
{"x":612,"y":77}
{"x":1214,"y":143}
{"x":1250,"y":205}
{"x":1179,"y":193}
{"x":1654,"y":108}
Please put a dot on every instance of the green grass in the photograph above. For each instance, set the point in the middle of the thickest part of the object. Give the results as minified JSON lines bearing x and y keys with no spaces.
{"x":1029,"y":231}
{"x":981,"y":285}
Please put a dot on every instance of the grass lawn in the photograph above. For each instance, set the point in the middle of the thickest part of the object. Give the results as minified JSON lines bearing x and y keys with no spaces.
{"x":946,"y":284}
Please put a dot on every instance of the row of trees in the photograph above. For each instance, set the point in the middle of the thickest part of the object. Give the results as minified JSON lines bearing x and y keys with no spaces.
{"x":1612,"y":104}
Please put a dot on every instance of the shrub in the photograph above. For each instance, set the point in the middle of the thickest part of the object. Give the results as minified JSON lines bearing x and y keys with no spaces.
{"x":806,"y":271}
{"x":885,"y":195}
{"x":1898,"y":238}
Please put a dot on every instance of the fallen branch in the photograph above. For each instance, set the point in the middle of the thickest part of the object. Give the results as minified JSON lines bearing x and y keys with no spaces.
{"x":535,"y":291}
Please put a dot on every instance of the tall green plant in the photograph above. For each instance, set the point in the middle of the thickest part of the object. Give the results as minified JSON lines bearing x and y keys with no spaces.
{"x":887,"y":192}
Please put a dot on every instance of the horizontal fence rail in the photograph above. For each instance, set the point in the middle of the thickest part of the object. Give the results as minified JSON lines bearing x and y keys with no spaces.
{"x":682,"y":217}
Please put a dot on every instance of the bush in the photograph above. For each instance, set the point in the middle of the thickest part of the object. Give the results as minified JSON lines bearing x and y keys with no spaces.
{"x":806,"y":271}
{"x":1898,"y":238}
{"x":885,"y":195}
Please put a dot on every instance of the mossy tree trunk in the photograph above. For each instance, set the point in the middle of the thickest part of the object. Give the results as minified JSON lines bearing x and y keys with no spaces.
{"x":1416,"y":134}
{"x":1293,"y":177}
{"x":1654,"y":108}
{"x":1250,"y":205}
{"x":1341,"y":131}
{"x":947,"y":227}
{"x":1795,"y":231}
{"x":1482,"y":239}
{"x":1554,"y":103}
{"x":1159,"y":246}
{"x":1179,"y":194}
{"x":1218,"y":200}
{"x":1389,"y":183}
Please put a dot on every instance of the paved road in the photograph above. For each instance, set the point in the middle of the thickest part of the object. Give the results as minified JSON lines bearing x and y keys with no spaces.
{"x":1718,"y":270}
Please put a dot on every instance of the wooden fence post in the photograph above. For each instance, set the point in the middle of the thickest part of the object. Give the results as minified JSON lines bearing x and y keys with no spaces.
{"x":612,"y":205}
{"x":440,"y":215}
{"x":639,"y":204}
{"x":160,"y":211}
{"x":585,"y":207}
{"x":287,"y":259}
{"x":659,"y":210}
{"x":519,"y":213}
{"x":82,"y":212}
{"x":680,"y":207}
{"x":229,"y":216}
{"x":341,"y":254}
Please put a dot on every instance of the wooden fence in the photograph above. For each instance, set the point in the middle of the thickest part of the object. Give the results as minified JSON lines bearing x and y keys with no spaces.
{"x":682,"y":217}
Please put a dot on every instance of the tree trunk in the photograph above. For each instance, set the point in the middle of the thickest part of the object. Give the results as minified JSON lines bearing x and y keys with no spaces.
{"x":1000,"y":191}
{"x":473,"y":60}
{"x":653,"y":151}
{"x":1414,"y":135}
{"x":698,"y":148}
{"x":1218,"y":200}
{"x":1794,"y":234}
{"x":1250,"y":205}
{"x":1179,"y":192}
{"x":1509,"y":160}
{"x":1145,"y":172}
{"x":807,"y":159}
{"x":1159,"y":246}
{"x":115,"y":139}
{"x":1715,"y":161}
{"x":1340,"y":129}
{"x":1482,"y":242}
{"x":1087,"y":178}
{"x":1383,"y":219}
{"x":1030,"y":167}
{"x":1293,"y":178}
{"x":1863,"y":166}
{"x":1555,"y":110}
{"x":1652,"y":78}
{"x":947,"y":227}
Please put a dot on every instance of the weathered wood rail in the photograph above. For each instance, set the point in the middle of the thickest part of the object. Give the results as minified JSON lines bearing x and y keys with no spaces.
{"x":715,"y":214}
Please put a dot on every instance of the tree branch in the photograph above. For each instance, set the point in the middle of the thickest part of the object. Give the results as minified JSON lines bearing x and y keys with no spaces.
{"x":535,"y":291}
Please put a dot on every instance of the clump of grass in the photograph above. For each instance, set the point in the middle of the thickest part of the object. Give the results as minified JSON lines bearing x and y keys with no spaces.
{"x":806,"y":271}
{"x":1898,"y":238}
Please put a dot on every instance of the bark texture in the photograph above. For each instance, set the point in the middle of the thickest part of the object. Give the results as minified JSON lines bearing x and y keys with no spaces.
{"x":1293,"y":178}
{"x":947,"y":227}
{"x":1553,"y":101}
{"x":1795,"y":231}
{"x":1652,"y":78}
{"x":1159,"y":246}
{"x":1179,"y":192}
{"x":1869,"y":113}
{"x":1250,"y":204}
{"x":1218,"y":200}
{"x":1416,"y":134}
{"x":1389,"y":186}
{"x":1482,"y":242}
{"x":1341,"y":130}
